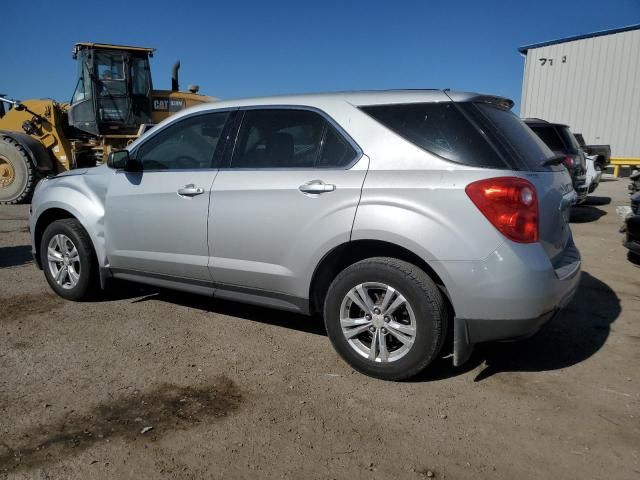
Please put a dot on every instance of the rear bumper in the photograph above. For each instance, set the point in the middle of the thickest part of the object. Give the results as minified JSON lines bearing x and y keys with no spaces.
{"x":468,"y":332}
{"x":510,"y":295}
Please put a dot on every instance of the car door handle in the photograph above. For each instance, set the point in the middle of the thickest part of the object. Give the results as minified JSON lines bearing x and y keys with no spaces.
{"x":316,"y":187}
{"x":190,"y":190}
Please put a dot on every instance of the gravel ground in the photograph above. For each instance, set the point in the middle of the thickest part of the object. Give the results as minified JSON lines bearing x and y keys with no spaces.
{"x":154,"y":384}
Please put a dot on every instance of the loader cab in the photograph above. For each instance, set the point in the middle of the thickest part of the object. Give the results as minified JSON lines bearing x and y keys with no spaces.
{"x":113,"y":89}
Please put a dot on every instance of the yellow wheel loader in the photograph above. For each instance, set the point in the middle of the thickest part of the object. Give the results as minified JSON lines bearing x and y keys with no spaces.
{"x":113,"y":103}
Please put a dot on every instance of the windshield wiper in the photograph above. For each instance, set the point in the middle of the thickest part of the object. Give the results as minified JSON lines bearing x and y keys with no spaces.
{"x":555,"y":160}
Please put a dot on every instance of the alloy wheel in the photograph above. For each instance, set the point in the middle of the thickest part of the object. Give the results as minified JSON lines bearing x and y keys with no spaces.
{"x":64,"y":261}
{"x":378,"y":322}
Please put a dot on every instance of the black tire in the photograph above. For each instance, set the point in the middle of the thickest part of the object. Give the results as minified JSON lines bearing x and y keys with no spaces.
{"x":14,"y":159}
{"x":423,"y":296}
{"x":88,"y":282}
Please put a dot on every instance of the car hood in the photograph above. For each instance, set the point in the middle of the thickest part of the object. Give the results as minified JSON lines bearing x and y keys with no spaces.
{"x":71,"y":173}
{"x":83,"y":171}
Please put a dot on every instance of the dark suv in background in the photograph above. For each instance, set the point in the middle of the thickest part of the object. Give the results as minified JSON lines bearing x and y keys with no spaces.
{"x":561,"y":141}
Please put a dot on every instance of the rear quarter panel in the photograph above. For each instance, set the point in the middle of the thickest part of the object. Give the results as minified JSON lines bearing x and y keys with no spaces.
{"x":427,"y":212}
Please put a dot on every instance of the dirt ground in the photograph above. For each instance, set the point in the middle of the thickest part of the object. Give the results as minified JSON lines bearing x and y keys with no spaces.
{"x":232,"y":391}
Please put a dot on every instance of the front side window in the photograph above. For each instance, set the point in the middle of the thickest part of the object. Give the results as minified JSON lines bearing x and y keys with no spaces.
{"x":188,"y":144}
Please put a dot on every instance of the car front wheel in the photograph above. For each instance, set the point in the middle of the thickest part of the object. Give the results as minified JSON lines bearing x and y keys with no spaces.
{"x":68,"y":259}
{"x":385,"y":317}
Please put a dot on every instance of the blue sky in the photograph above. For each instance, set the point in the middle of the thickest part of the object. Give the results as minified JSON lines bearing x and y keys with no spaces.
{"x":246,"y":48}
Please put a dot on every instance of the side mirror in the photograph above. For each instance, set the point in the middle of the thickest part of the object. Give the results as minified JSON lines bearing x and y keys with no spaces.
{"x":118,"y":159}
{"x":121,"y":160}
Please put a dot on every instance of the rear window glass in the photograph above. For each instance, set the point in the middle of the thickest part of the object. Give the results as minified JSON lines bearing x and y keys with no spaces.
{"x":550,"y":137}
{"x":509,"y":134}
{"x":439,"y":128}
{"x":569,"y":138}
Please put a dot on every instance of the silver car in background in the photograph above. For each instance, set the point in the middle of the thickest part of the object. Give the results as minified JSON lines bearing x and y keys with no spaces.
{"x":405,"y":218}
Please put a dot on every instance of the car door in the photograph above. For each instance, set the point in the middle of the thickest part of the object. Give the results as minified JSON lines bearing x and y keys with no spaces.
{"x":156,"y":219}
{"x":289,"y":194}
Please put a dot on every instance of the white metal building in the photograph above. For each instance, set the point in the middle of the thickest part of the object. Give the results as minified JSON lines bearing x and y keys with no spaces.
{"x":591,"y":83}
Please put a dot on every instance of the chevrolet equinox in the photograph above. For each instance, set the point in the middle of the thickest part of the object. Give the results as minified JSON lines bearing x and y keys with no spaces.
{"x":402,"y":217}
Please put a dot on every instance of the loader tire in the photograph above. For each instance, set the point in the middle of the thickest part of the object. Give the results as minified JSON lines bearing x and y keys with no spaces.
{"x":18,"y":177}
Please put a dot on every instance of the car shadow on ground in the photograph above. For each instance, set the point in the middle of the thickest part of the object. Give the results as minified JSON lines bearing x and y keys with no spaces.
{"x":15,"y":256}
{"x":594,"y":200}
{"x":586,"y":213}
{"x":576,"y":334}
{"x":122,"y":290}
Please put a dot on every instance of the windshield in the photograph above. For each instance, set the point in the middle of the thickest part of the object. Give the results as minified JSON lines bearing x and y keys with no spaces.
{"x":110,"y":71}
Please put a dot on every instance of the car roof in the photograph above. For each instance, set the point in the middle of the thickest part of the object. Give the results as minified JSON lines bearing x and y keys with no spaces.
{"x":328,"y":101}
{"x":361,"y":98}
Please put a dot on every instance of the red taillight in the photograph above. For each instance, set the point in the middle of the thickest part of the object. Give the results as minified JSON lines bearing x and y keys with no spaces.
{"x":510,"y":204}
{"x":569,"y":161}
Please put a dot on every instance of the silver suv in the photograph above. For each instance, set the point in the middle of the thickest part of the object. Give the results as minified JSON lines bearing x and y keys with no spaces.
{"x":405,"y":218}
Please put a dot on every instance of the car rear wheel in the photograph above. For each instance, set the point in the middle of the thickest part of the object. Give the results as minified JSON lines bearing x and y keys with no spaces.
{"x":68,"y":259}
{"x":385,"y":317}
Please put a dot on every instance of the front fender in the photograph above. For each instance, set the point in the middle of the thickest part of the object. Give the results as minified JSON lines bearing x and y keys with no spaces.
{"x":77,"y":196}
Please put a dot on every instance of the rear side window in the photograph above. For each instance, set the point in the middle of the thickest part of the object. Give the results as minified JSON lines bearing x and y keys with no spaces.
{"x":550,"y":137}
{"x":336,"y":151}
{"x":439,"y":128}
{"x":278,"y":139}
{"x":289,"y":138}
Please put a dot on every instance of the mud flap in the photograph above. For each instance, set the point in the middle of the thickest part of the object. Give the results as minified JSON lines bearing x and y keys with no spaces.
{"x":462,"y":347}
